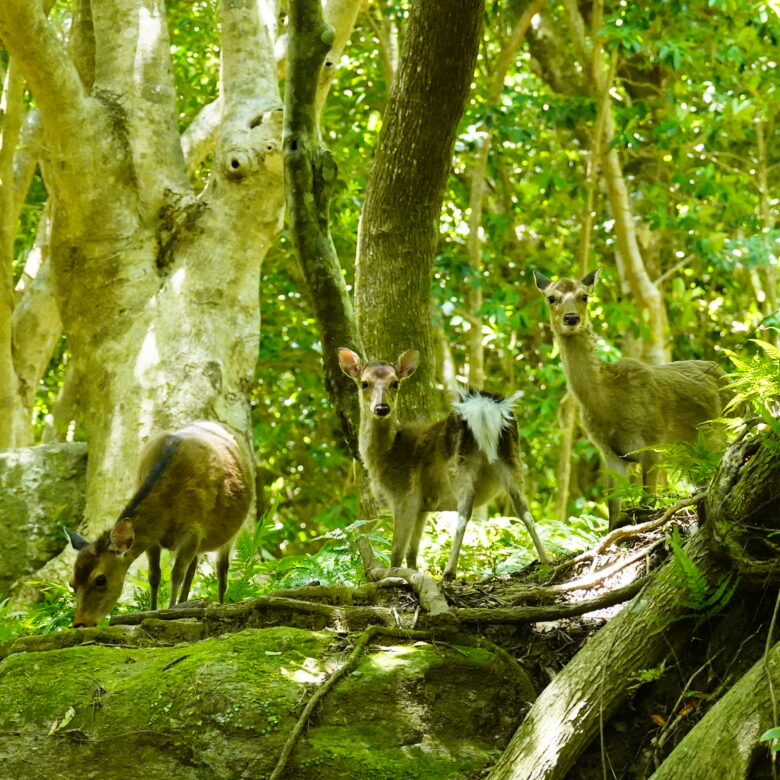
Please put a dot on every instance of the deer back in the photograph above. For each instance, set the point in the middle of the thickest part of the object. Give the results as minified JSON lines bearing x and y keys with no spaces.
{"x":196,"y":480}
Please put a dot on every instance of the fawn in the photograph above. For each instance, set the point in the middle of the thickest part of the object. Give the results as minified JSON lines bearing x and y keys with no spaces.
{"x":195,"y":490}
{"x":628,"y":404}
{"x":456,"y":463}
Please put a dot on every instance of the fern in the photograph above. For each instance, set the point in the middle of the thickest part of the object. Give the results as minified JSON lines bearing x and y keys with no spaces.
{"x":692,"y":461}
{"x":756,"y":383}
{"x":705,"y":601}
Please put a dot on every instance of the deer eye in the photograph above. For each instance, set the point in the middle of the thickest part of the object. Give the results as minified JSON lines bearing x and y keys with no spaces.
{"x":394,"y":384}
{"x":583,"y":298}
{"x":101,"y":580}
{"x":551,"y":298}
{"x":364,"y":385}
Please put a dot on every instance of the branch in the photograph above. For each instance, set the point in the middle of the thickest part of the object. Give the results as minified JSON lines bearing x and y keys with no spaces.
{"x":431,"y":599}
{"x":133,"y":71}
{"x":341,"y":15}
{"x":201,"y":135}
{"x":248,"y":137}
{"x":43,"y":60}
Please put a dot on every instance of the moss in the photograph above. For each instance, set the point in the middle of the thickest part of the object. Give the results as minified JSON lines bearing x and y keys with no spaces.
{"x":223,"y":707}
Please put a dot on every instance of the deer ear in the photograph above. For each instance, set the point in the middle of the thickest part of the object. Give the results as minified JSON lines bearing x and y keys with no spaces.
{"x":121,"y":537}
{"x":407,"y":363}
{"x":542,"y":282}
{"x":78,"y":542}
{"x":349,"y":362}
{"x":589,"y":281}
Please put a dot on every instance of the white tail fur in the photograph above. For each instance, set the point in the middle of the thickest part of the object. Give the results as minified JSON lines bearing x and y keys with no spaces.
{"x":487,"y":416}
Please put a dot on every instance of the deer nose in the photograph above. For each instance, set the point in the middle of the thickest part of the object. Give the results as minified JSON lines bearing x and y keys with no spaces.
{"x":382,"y":410}
{"x":571,"y":318}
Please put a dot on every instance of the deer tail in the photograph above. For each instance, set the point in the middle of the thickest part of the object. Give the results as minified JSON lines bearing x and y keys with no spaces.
{"x":169,"y":447}
{"x":487,"y":416}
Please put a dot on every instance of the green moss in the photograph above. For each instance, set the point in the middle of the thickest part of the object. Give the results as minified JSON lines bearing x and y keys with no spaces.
{"x":224,"y":707}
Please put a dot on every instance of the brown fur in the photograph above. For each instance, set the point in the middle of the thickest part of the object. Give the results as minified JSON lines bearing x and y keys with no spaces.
{"x":194,"y":492}
{"x":628,"y":404}
{"x":420,"y":468}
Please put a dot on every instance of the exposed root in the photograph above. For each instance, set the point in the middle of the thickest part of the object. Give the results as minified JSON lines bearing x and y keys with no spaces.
{"x":423,"y":585}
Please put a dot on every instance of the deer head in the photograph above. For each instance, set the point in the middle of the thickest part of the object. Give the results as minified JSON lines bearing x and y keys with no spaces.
{"x":99,"y":572}
{"x":378,"y":382}
{"x":568,"y":301}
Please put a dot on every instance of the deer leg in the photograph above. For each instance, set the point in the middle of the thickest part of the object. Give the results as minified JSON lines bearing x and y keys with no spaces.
{"x":649,"y":474}
{"x":404,"y":516}
{"x":223,"y":563}
{"x":613,"y":463}
{"x":465,"y":507}
{"x":185,"y":558}
{"x":524,"y":513}
{"x":414,"y":541}
{"x":153,"y":555}
{"x":187,"y":582}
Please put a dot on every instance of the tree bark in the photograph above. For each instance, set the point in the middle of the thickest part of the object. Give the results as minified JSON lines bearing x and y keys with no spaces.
{"x":398,"y":230}
{"x":724,"y":743}
{"x":742,"y":506}
{"x":311,"y":175}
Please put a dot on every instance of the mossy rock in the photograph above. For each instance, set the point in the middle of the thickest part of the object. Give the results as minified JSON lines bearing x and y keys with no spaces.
{"x":223,"y":708}
{"x":41,"y":488}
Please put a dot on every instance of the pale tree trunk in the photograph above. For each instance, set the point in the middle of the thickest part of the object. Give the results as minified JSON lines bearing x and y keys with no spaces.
{"x":646,"y":294}
{"x":398,"y":229}
{"x":478,"y":187}
{"x":157,"y":287}
{"x":14,"y":425}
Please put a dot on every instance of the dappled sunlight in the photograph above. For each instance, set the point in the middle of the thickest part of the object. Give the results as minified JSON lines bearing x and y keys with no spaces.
{"x":309,"y":671}
{"x":151,"y":27}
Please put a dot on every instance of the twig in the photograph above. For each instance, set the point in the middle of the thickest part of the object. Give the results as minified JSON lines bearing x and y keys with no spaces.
{"x":318,"y":695}
{"x":651,"y":525}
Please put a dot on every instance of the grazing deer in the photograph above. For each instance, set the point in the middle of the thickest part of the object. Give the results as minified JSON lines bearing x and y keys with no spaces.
{"x":628,"y":404}
{"x":194,"y":492}
{"x":456,"y":463}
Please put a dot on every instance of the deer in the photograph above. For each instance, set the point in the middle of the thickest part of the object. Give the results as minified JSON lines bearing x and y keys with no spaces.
{"x":194,"y":491}
{"x":456,"y":463}
{"x":627,"y":405}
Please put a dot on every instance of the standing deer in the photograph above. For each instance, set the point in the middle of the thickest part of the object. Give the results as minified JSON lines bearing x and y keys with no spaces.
{"x":194,"y":491}
{"x":456,"y":463}
{"x":628,"y":404}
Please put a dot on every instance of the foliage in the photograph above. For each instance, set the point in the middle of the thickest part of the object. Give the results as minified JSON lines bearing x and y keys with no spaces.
{"x":706,"y":601}
{"x":757,"y":383}
{"x":694,"y":104}
{"x":53,"y":613}
{"x":694,"y":462}
{"x":769,"y":736}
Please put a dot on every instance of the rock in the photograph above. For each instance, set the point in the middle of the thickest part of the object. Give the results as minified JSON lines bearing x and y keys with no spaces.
{"x":224,"y":706}
{"x":41,"y":489}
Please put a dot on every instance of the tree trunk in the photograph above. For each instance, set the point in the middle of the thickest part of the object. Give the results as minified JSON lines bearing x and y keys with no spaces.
{"x":311,"y":174}
{"x":398,"y":230}
{"x":724,"y":743}
{"x":741,"y":510}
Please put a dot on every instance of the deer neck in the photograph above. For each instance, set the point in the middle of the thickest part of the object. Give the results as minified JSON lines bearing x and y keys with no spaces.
{"x":377,"y":435}
{"x":581,"y":365}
